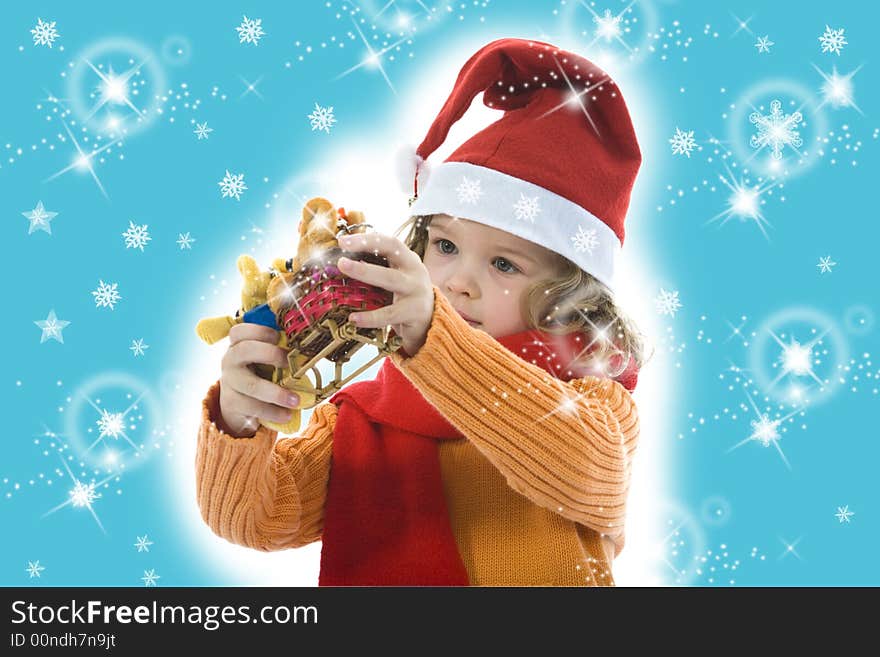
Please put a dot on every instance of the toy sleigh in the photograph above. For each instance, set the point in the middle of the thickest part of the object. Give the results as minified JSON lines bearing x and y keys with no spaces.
{"x":316,"y":325}
{"x":308,"y":300}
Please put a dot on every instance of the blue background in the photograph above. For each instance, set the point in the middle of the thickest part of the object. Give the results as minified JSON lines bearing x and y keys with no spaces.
{"x":732,"y":513}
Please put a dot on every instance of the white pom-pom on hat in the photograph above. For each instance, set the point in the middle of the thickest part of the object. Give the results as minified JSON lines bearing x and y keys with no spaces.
{"x":409,"y":164}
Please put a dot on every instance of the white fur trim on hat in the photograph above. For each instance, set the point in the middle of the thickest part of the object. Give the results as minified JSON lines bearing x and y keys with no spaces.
{"x":408,"y":163}
{"x":487,"y":196}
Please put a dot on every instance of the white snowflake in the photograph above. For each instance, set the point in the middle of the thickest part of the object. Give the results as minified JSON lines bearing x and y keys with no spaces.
{"x":683,"y":142}
{"x":150,"y":577}
{"x":764,"y":44}
{"x":667,"y":302}
{"x":825,"y":265}
{"x":250,"y":31}
{"x":138,"y":347}
{"x":111,"y":424}
{"x":44,"y":33}
{"x":83,"y":495}
{"x":469,"y":191}
{"x":106,"y":295}
{"x":776,"y":130}
{"x":34,"y":568}
{"x":527,"y":208}
{"x":185,"y":241}
{"x":136,"y":237}
{"x":322,"y":118}
{"x":832,"y":40}
{"x":143,"y":544}
{"x":202,"y":130}
{"x":232,"y":185}
{"x":585,"y":240}
{"x":843,"y":513}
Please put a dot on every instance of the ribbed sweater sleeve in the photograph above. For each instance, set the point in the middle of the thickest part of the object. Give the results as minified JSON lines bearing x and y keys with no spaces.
{"x":260,"y":492}
{"x":566,"y":446}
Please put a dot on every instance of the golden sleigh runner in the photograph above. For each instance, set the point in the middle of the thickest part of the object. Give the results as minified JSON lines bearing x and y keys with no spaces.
{"x":308,"y":300}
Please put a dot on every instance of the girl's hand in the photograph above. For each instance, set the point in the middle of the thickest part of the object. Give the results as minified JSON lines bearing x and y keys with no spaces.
{"x":244,"y":396}
{"x":406,"y":277}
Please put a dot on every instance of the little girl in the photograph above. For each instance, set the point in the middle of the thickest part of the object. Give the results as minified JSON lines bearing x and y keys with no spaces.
{"x":495,"y":447}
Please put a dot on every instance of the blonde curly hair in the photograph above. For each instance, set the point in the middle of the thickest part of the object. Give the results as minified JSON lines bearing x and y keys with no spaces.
{"x":574,"y":301}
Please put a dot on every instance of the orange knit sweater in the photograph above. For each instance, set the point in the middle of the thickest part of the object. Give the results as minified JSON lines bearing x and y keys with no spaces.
{"x":536,"y":493}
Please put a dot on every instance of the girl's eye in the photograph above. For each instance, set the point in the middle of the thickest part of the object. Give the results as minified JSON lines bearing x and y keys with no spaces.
{"x":506,"y":267}
{"x":440,"y":243}
{"x":513,"y":268}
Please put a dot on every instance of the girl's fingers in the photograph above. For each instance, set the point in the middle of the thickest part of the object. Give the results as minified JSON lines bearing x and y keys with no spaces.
{"x":247,"y":331}
{"x":246,"y":405}
{"x":399,"y":256}
{"x":402,"y":312}
{"x":253,"y":351}
{"x":250,"y":385}
{"x":392,"y":280}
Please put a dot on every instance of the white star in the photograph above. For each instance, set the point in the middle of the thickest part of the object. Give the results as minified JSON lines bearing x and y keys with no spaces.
{"x":202,"y":130}
{"x":185,"y":241}
{"x":34,"y":568}
{"x":843,"y":513}
{"x":143,"y":543}
{"x":52,"y":327}
{"x":39,"y":218}
{"x":150,"y":577}
{"x":764,"y":44}
{"x":825,"y":265}
{"x":138,"y":347}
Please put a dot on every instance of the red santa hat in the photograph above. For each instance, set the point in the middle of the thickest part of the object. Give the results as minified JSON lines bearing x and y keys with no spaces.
{"x":557,"y":169}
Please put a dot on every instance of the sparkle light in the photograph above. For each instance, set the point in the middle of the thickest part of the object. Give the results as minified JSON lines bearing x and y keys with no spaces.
{"x":373,"y":58}
{"x":741,"y":25}
{"x":789,"y":548}
{"x":81,"y":495}
{"x":608,"y":25}
{"x":112,"y":424}
{"x":838,"y":89}
{"x":403,"y":19}
{"x":575,"y":97}
{"x":114,"y":88}
{"x":765,"y":430}
{"x":744,"y":202}
{"x":83,"y":160}
{"x":251,"y":87}
{"x":795,"y":392}
{"x":797,"y":358}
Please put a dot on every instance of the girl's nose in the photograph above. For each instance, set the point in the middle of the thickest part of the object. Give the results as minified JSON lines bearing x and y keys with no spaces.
{"x":462,"y":282}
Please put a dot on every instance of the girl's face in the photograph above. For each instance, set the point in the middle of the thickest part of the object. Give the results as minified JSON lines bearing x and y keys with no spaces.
{"x":484,"y":272}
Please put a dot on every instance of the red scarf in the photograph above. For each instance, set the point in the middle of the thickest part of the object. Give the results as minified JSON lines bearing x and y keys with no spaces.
{"x":386,"y":522}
